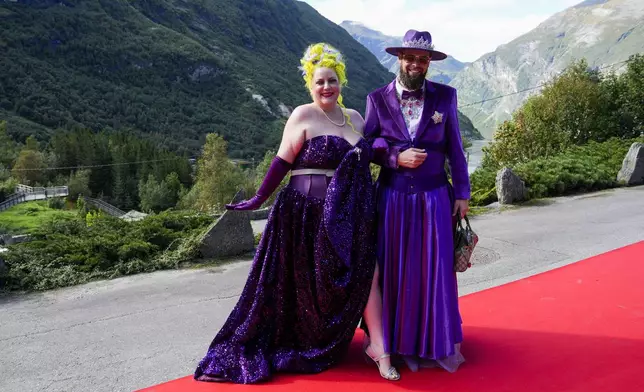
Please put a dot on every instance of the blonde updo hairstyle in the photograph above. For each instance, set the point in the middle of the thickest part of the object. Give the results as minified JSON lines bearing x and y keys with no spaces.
{"x":323,"y":55}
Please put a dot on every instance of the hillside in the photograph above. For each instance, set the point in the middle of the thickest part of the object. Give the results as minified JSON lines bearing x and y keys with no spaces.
{"x":172,"y":70}
{"x":604,"y":32}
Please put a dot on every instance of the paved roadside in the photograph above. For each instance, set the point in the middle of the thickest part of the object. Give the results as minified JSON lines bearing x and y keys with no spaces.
{"x":138,"y":331}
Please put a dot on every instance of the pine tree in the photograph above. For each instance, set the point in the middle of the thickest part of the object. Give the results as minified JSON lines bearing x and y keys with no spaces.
{"x":218,"y":179}
{"x":8,"y":148}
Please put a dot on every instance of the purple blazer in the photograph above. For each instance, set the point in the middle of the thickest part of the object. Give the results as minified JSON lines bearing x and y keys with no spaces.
{"x":439,"y":137}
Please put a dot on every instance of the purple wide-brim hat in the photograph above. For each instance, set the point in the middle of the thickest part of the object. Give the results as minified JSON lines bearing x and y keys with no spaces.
{"x":420,"y":40}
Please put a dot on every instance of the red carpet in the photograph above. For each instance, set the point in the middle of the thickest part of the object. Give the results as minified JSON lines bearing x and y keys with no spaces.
{"x":576,"y":328}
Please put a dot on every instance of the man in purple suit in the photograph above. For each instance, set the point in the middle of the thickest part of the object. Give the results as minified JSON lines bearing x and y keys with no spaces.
{"x":415,"y":124}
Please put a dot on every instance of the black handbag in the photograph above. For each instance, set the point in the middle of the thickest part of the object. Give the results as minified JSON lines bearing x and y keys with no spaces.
{"x":465,"y":239}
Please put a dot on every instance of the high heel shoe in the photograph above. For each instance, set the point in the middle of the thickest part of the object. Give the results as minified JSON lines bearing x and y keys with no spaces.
{"x":391,"y":374}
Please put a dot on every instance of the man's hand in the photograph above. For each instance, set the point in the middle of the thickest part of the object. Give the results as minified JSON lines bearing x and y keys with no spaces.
{"x":461,"y":205}
{"x":411,"y":158}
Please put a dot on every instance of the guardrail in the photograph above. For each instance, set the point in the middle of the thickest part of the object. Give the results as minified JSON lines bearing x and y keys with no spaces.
{"x":12,"y":200}
{"x":26,"y":193}
{"x":101,"y":205}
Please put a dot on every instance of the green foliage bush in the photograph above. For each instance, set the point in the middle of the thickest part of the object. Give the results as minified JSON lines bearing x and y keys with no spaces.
{"x":579,"y":106}
{"x":56,"y":203}
{"x":593,"y":166}
{"x":78,"y":184}
{"x":570,"y":138}
{"x":122,"y":168}
{"x":70,"y":251}
{"x":115,"y":179}
{"x":7,"y":187}
{"x":483,"y":185}
{"x":159,"y":196}
{"x":586,"y":168}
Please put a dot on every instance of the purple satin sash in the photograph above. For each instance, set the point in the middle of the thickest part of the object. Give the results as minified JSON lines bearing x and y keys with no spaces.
{"x":410,"y":183}
{"x":440,"y":146}
{"x":313,"y":185}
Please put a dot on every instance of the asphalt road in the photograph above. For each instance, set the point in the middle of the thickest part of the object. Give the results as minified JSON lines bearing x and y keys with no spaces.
{"x":134,"y":332}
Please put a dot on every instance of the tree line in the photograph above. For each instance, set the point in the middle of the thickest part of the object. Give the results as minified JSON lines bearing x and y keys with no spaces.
{"x":572,"y":136}
{"x":579,"y":106}
{"x":117,"y":167}
{"x":127,"y":171}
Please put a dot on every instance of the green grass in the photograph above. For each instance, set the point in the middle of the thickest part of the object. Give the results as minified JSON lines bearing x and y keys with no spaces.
{"x":26,"y":217}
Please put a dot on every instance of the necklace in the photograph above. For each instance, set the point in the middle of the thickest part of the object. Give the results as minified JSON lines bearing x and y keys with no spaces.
{"x":344,"y":122}
{"x":344,"y":119}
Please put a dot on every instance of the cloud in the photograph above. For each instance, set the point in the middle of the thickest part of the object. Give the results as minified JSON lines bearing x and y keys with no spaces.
{"x":465,"y":29}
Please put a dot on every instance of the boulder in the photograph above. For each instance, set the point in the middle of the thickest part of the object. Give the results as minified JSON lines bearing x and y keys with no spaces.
{"x":133,"y":216}
{"x":8,"y":239}
{"x":5,"y":239}
{"x":632,"y":171}
{"x":230,"y":235}
{"x":260,"y":214}
{"x":509,"y":187}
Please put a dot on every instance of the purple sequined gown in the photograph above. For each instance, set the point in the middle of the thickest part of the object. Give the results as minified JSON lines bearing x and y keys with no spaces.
{"x":310,"y":279}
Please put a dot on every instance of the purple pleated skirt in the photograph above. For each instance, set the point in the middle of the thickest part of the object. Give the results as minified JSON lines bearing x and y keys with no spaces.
{"x":421,"y":319}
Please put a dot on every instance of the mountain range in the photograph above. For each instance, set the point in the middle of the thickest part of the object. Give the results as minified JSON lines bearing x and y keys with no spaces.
{"x":604,"y":32}
{"x":170,"y":70}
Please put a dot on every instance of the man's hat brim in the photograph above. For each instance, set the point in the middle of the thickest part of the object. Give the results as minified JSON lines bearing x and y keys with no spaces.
{"x":435,"y":54}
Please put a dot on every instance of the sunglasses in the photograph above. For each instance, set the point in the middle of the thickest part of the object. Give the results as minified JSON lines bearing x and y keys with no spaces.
{"x":410,"y":58}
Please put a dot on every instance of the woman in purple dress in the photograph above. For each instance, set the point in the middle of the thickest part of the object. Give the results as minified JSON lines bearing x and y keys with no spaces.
{"x":311,"y":278}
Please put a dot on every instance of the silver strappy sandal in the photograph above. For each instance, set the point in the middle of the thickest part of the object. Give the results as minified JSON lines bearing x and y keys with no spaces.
{"x":391,"y":374}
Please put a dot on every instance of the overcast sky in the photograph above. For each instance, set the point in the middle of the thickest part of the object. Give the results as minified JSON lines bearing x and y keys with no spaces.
{"x":465,"y":29}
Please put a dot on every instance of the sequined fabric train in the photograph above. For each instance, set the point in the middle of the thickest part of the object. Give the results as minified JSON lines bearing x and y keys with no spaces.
{"x":310,"y":279}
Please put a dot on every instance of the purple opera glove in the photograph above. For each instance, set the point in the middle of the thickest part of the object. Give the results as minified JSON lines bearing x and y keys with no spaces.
{"x":276,"y":173}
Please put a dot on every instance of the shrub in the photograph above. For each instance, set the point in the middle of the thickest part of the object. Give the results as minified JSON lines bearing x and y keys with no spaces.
{"x":483,"y":184}
{"x":577,"y":107}
{"x":56,"y":203}
{"x":74,"y":250}
{"x":590,"y":167}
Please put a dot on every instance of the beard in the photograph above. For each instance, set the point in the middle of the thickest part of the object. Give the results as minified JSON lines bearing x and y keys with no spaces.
{"x":411,"y":82}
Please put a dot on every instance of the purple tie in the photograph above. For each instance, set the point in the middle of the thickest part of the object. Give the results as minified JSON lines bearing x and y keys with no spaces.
{"x":418,"y":94}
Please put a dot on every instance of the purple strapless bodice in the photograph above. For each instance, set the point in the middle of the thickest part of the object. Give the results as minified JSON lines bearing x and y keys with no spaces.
{"x":322,"y":152}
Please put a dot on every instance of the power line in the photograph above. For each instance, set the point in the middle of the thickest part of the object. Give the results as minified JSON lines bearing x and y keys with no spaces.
{"x":96,"y":166}
{"x":173,"y":159}
{"x":532,"y":88}
{"x":502,"y":96}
